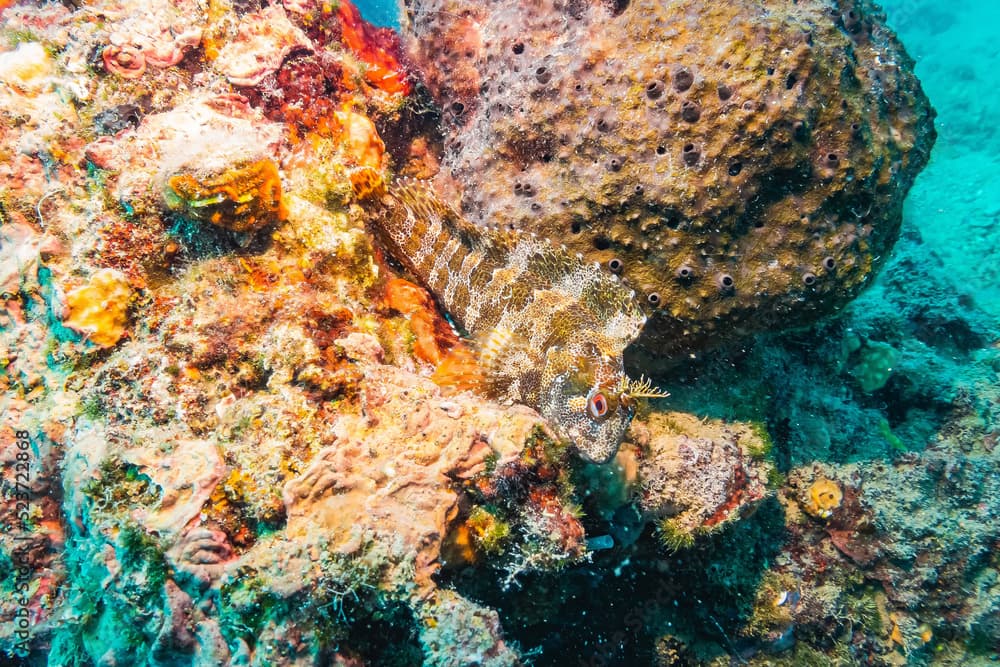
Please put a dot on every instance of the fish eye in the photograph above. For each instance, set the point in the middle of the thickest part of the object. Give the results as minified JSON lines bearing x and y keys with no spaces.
{"x":597,"y":406}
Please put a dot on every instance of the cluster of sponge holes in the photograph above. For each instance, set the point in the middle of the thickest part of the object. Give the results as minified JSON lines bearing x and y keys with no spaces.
{"x":524,"y":189}
{"x":810,"y":279}
{"x":686,"y":275}
{"x":682,"y":79}
{"x":690,"y":154}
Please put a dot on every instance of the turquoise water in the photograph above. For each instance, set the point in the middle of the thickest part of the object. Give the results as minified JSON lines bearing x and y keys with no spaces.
{"x":956,"y":201}
{"x":379,"y":12}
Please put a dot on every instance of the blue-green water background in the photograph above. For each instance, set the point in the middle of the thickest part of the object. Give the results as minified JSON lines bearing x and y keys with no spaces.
{"x":955,"y":203}
{"x":379,"y":12}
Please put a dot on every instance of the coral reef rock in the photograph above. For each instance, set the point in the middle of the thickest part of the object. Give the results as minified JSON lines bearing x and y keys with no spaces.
{"x":698,"y":474}
{"x":741,"y":165}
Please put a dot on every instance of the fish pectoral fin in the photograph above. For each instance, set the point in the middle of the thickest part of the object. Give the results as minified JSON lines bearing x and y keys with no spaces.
{"x":460,"y":370}
{"x":498,"y":346}
{"x":510,"y":366}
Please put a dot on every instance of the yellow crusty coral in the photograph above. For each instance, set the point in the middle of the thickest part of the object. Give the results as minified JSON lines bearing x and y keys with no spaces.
{"x":26,"y":69}
{"x":824,"y":496}
{"x":99,"y":309}
{"x":489,"y":531}
{"x":241,"y":199}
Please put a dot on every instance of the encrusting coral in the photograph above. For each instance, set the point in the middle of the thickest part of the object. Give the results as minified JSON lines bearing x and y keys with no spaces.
{"x":263,"y":40}
{"x":99,"y":308}
{"x":697,"y":475}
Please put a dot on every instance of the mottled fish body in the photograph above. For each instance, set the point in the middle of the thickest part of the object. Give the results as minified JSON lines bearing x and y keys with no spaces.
{"x":550,"y":327}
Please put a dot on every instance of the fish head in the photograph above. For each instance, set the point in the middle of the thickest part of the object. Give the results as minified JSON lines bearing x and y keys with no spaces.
{"x":582,"y":398}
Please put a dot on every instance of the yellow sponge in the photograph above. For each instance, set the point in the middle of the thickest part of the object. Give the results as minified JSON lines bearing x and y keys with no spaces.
{"x":99,"y":309}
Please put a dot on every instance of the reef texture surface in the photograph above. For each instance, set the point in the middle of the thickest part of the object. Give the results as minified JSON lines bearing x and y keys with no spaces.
{"x":222,"y":442}
{"x":742,"y":165}
{"x":234,"y":433}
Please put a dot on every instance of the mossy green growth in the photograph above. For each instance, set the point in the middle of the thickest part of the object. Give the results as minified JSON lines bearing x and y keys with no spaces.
{"x":119,"y":485}
{"x":490,"y":462}
{"x":673,"y":536}
{"x":246,"y":603}
{"x":92,"y":407}
{"x":550,"y":450}
{"x":117,"y":614}
{"x":771,"y":610}
{"x":760,"y":446}
{"x":775,"y":478}
{"x":803,"y":655}
{"x":489,"y":531}
{"x":141,"y":551}
{"x":886,"y":432}
{"x":16,"y":36}
{"x":863,"y":610}
{"x":334,"y":593}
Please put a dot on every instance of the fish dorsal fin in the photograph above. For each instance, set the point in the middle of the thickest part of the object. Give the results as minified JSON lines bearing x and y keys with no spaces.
{"x":424,"y":203}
